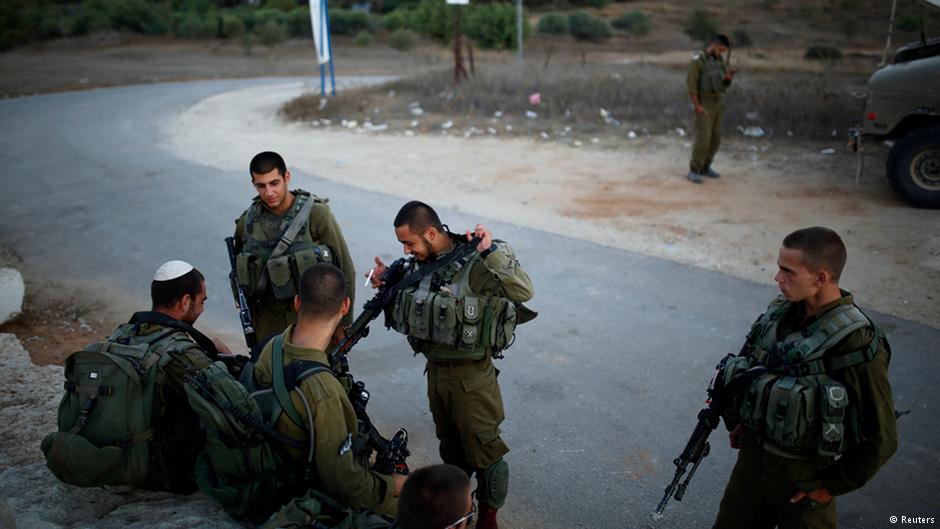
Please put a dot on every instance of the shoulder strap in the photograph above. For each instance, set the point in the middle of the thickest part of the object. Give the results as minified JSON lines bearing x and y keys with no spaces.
{"x":287,"y":236}
{"x":300,"y":370}
{"x":158,"y":318}
{"x":829,"y":330}
{"x":281,"y":392}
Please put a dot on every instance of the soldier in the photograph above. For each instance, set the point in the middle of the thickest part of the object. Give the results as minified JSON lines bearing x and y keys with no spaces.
{"x":436,"y":497}
{"x":279,"y":236}
{"x":460,"y":317}
{"x":708,"y":78}
{"x":321,"y":303}
{"x":820,"y":422}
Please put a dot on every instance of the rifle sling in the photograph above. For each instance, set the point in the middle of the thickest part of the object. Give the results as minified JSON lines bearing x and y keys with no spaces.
{"x":159,"y":318}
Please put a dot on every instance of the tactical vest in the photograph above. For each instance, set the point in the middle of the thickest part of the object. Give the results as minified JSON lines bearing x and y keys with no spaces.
{"x":109,"y":417}
{"x":445,"y":320}
{"x":284,"y":271}
{"x":712,"y":75}
{"x":796,"y":408}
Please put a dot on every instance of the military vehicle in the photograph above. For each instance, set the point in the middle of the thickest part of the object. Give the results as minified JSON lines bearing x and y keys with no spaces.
{"x":903,"y":106}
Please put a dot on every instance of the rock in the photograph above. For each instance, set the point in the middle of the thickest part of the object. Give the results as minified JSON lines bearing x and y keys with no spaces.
{"x":12,"y":290}
{"x":39,"y":501}
{"x":531,"y":115}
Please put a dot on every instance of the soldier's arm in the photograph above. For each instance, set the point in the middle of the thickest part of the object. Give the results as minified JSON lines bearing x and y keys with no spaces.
{"x":504,"y":266}
{"x":868,"y":384}
{"x":184,"y":363}
{"x":239,"y":232}
{"x":342,"y":477}
{"x":324,"y":228}
{"x":694,"y":71}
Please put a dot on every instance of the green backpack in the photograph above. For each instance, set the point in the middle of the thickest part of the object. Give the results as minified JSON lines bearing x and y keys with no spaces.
{"x":242,"y":466}
{"x":113,"y":394}
{"x":318,"y":511}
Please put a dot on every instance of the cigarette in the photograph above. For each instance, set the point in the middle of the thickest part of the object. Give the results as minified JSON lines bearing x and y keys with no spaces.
{"x":369,"y":278}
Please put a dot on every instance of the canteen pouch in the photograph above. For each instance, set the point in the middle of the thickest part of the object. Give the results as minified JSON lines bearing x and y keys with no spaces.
{"x":791,"y":409}
{"x":307,"y":257}
{"x":76,"y":461}
{"x":833,"y":401}
{"x":281,"y":277}
{"x":444,"y":317}
{"x":399,"y":312}
{"x":247,"y":270}
{"x":470,"y":317}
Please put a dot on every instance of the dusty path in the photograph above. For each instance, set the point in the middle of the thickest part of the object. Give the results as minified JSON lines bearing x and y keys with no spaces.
{"x":632,"y":197}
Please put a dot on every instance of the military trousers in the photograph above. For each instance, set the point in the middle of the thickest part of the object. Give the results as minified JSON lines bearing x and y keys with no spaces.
{"x":758,"y":493}
{"x":467,"y":408}
{"x":707,"y":132}
{"x":272,"y":316}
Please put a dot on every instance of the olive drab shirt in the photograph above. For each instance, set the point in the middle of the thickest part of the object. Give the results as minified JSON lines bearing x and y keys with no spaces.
{"x":706,"y":75}
{"x":323,"y":229}
{"x":338,"y":474}
{"x":181,"y":438}
{"x":870,"y":395}
{"x":499,"y":274}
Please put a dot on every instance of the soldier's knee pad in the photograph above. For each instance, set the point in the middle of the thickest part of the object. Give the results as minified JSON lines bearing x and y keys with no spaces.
{"x":494,"y":484}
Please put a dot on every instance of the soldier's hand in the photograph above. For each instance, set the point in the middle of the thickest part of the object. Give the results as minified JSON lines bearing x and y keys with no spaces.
{"x":729,"y":75}
{"x":735,"y":436}
{"x":375,"y":275}
{"x":699,"y":109}
{"x":486,"y":238}
{"x":399,"y":481}
{"x":820,"y":495}
{"x":338,"y":336}
{"x":220,"y":346}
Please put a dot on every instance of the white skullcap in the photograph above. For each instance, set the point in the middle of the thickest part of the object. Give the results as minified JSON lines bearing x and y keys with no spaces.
{"x":172,"y":270}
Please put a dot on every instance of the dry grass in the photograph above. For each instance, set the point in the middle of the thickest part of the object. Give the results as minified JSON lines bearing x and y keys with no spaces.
{"x":637,"y":97}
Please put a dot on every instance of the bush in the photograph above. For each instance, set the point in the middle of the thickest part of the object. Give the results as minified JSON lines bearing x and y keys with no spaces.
{"x":402,"y":39}
{"x":553,"y":24}
{"x":271,"y":33}
{"x":232,"y":27}
{"x":849,"y":27}
{"x":822,"y":53}
{"x":589,"y":3}
{"x":741,"y":39}
{"x":700,"y":25}
{"x":347,"y":22}
{"x":136,"y":16}
{"x":283,"y":5}
{"x":909,"y":23}
{"x":190,"y":26}
{"x":263,"y":16}
{"x":494,"y":25}
{"x":636,"y":22}
{"x":395,"y":20}
{"x":433,"y":19}
{"x":389,"y":6}
{"x":363,"y":38}
{"x":298,"y":23}
{"x":586,"y":27}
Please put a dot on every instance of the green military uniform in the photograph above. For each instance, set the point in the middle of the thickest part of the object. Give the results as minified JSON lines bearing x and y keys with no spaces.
{"x":706,"y":79}
{"x":321,"y":240}
{"x":177,"y":437}
{"x":791,"y":445}
{"x":459,"y":318}
{"x":338,"y":474}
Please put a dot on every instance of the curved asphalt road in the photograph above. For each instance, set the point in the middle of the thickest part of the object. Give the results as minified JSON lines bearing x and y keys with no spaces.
{"x":601,"y":390}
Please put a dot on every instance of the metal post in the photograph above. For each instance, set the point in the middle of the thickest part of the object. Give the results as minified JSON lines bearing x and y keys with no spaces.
{"x":884,"y":56}
{"x":519,"y":26}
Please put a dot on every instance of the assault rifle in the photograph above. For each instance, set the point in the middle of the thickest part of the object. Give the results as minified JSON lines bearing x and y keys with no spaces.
{"x":391,"y":459}
{"x":395,"y":279}
{"x":241,"y":301}
{"x":697,"y":446}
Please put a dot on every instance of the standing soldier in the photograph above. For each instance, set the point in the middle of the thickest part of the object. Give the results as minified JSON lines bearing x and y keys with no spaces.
{"x":708,"y":78}
{"x":279,"y":236}
{"x":820,"y":421}
{"x":460,"y":317}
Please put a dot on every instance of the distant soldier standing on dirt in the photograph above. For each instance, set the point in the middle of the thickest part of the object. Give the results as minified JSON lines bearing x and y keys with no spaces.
{"x":279,"y":236}
{"x":708,"y":78}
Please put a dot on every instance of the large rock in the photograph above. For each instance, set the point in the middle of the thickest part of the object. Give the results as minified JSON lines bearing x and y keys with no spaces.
{"x":37,"y":500}
{"x":12,"y":290}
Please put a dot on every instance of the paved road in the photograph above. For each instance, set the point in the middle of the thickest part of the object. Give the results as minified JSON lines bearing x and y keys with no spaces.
{"x":601,"y":390}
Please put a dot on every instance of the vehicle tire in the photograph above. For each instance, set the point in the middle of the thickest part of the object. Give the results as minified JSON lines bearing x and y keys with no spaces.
{"x":914,"y":167}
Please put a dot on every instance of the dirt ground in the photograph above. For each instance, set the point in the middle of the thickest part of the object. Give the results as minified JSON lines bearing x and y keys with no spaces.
{"x":621,"y":192}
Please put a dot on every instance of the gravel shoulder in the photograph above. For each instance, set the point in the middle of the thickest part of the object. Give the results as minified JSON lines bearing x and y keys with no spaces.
{"x":627,"y":194}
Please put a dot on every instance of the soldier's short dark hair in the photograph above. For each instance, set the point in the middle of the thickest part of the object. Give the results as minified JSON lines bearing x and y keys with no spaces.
{"x":418,"y":216}
{"x":165,"y":294}
{"x":433,"y":497}
{"x":720,"y":39}
{"x":821,"y":248}
{"x":265,"y":162}
{"x":322,"y":291}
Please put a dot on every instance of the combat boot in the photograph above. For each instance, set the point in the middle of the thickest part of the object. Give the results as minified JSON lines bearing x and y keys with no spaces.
{"x":694,"y":177}
{"x":486,"y":516}
{"x":711,"y":173}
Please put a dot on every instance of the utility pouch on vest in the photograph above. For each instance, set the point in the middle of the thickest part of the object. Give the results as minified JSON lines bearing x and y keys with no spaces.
{"x":444,"y":320}
{"x":504,"y":323}
{"x":470,"y":330}
{"x":400,"y":310}
{"x":833,"y":402}
{"x":282,"y":278}
{"x":419,"y":316}
{"x":791,"y":409}
{"x":248,"y":269}
{"x":755,"y":402}
{"x":304,"y":259}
